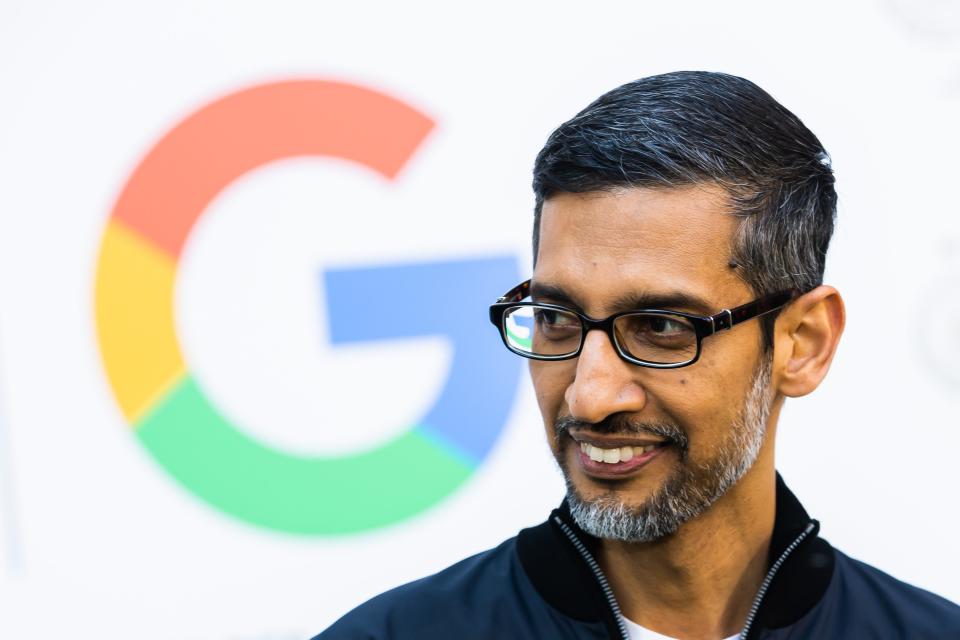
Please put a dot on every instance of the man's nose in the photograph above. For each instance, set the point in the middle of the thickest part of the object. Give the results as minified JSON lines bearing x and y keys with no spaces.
{"x":604,"y":383}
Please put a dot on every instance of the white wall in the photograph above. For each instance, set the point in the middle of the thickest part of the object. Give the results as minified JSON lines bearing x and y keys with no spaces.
{"x":97,"y":540}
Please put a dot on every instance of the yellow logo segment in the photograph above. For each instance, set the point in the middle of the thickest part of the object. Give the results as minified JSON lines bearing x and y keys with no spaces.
{"x":134,"y":317}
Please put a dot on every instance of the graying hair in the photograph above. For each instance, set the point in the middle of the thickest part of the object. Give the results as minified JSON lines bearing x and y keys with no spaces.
{"x":692,"y":488}
{"x":692,"y":127}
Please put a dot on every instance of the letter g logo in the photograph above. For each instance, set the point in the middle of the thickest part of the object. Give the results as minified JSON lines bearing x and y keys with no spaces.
{"x":168,"y":410}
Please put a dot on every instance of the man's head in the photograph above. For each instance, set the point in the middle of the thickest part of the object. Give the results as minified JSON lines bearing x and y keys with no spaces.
{"x":692,"y":192}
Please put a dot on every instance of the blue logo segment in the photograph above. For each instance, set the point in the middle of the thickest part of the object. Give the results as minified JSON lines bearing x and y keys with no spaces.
{"x":448,"y":299}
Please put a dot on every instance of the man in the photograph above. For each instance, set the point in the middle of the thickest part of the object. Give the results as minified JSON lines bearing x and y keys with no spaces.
{"x":680,"y":233}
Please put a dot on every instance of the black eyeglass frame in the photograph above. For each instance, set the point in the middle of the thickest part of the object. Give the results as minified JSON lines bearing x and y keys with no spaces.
{"x":703,"y":326}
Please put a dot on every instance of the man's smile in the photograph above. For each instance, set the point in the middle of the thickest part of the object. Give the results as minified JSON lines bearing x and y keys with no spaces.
{"x":615,"y":455}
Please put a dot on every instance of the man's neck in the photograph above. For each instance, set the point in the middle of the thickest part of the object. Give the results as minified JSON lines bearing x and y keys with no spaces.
{"x":699,"y":583}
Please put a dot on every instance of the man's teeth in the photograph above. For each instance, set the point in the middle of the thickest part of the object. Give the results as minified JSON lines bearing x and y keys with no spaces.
{"x":612,"y":456}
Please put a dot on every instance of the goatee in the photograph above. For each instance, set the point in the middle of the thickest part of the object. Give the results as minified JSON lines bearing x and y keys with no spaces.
{"x":689,"y":490}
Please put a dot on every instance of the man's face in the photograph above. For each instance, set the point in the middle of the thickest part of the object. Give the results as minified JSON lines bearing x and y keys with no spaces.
{"x":689,"y":432}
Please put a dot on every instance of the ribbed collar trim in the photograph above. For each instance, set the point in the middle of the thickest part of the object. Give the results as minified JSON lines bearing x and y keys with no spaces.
{"x":564,"y":580}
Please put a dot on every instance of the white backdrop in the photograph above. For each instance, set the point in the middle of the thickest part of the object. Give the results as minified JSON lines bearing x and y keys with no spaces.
{"x":98,"y":540}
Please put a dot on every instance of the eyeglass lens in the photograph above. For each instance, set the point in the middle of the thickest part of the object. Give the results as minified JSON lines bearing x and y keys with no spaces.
{"x":657,"y":338}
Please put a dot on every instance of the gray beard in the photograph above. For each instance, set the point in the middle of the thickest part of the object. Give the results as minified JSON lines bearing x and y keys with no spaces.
{"x":690,"y":490}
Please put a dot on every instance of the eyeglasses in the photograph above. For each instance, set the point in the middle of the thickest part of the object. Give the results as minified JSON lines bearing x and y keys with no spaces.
{"x":646,"y":337}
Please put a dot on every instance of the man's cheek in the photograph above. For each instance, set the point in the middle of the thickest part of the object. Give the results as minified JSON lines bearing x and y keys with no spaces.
{"x":698,"y":404}
{"x":549,"y":393}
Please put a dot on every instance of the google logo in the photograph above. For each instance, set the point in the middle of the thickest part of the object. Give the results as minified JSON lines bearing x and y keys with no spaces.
{"x":166,"y":405}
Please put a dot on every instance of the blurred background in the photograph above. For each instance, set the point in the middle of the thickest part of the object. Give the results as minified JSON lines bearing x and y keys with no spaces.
{"x":246,"y":379}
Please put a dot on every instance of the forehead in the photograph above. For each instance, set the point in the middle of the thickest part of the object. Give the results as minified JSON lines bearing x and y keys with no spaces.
{"x":603,"y":245}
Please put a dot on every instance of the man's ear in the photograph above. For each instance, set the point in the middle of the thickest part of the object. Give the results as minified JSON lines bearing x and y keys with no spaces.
{"x":805,"y":338}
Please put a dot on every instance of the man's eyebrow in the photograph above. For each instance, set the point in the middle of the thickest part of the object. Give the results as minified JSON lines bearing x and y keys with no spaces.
{"x":540,"y":290}
{"x":670,"y":301}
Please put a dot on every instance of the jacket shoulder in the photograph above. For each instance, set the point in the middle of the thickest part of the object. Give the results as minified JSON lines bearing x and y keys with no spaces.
{"x":437,"y":606}
{"x":890,"y":607}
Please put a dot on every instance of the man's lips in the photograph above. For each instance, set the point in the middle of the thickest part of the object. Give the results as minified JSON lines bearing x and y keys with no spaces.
{"x":610,"y":441}
{"x":615,"y":455}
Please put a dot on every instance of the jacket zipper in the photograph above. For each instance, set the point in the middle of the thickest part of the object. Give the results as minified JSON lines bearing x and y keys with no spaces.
{"x":612,"y":601}
{"x":598,"y":574}
{"x":769,"y":578}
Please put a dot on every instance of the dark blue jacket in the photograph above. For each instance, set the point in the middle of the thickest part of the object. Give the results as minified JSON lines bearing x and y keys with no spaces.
{"x":545,"y":584}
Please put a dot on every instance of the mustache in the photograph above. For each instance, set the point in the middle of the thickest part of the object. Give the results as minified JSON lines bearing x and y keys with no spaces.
{"x":621,"y":423}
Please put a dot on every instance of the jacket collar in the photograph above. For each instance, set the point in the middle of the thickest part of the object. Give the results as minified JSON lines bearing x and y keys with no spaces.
{"x":563,"y":579}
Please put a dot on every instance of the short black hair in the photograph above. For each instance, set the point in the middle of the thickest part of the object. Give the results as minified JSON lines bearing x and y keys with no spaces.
{"x":693,"y":127}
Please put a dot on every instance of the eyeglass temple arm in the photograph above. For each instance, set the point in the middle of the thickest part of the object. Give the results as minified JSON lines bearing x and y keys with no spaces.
{"x":516,"y":294}
{"x":730,"y":317}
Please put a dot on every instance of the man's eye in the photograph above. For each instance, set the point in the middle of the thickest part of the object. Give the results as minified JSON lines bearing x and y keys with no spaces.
{"x":666,"y":326}
{"x":656,"y":330}
{"x":553,"y":318}
{"x":552,"y":321}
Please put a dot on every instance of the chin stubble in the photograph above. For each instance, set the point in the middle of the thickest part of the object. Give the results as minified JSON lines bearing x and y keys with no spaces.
{"x":692,"y":488}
